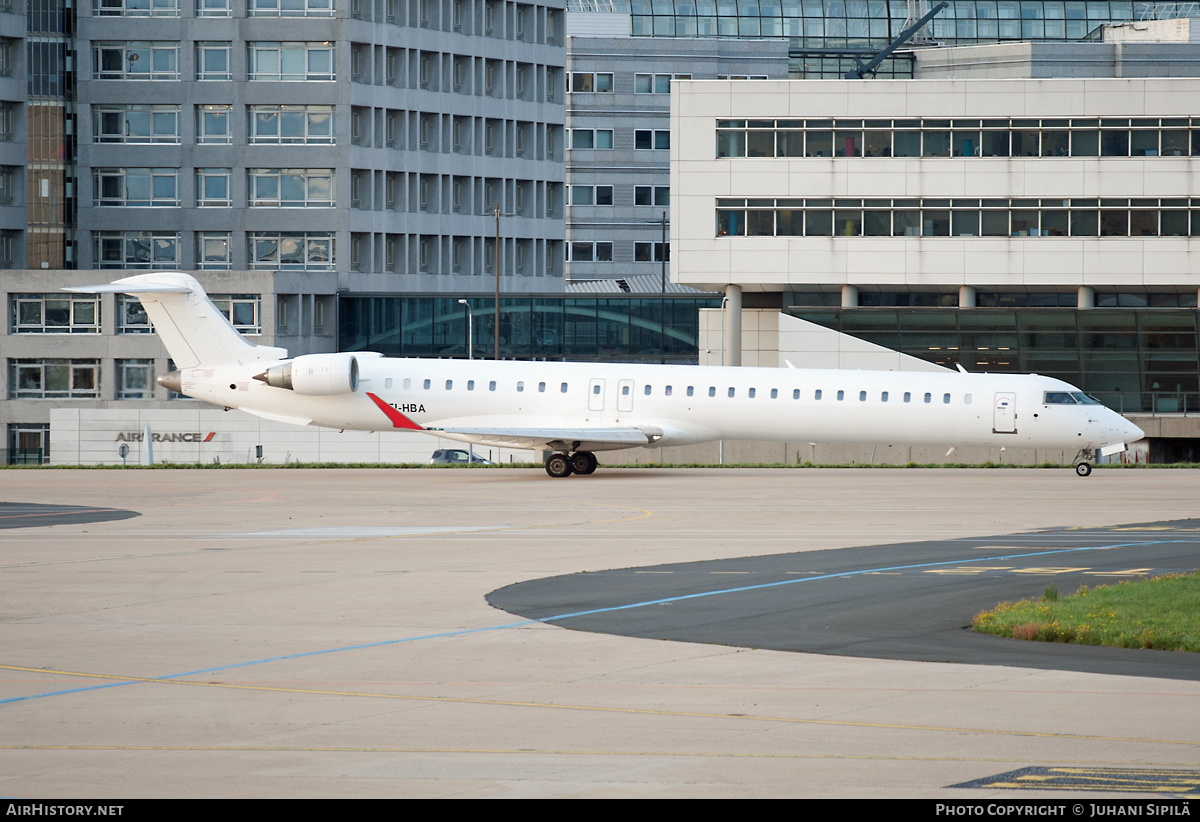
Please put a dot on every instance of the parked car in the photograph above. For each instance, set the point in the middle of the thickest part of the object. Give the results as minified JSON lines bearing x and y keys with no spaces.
{"x":457,"y":456}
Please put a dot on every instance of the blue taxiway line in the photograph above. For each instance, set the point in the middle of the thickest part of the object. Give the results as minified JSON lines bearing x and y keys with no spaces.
{"x":575,"y":614}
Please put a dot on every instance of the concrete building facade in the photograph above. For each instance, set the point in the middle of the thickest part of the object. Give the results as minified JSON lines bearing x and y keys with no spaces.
{"x":283,"y":151}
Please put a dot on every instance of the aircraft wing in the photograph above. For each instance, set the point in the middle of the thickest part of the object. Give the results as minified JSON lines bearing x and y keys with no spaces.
{"x":555,"y":439}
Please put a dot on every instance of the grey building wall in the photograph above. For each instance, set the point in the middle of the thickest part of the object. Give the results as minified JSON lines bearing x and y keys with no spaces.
{"x":630,"y":113}
{"x":442,"y":111}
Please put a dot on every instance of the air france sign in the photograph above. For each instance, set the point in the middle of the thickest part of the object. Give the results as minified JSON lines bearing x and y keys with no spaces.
{"x":177,"y":436}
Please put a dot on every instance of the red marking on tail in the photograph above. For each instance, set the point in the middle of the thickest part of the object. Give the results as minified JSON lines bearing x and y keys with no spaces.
{"x":398,"y":419}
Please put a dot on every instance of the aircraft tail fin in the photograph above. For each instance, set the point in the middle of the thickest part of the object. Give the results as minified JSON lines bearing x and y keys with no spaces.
{"x":195,"y":332}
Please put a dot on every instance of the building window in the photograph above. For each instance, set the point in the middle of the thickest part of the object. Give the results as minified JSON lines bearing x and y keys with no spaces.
{"x":590,"y":252}
{"x":135,"y":124}
{"x":290,"y":8}
{"x":292,"y":61}
{"x":135,"y":379}
{"x":131,"y":316}
{"x":55,"y":314}
{"x":292,"y":251}
{"x":213,"y":187}
{"x":214,"y":251}
{"x":652,"y":195}
{"x":142,"y":60}
{"x":45,"y":379}
{"x":212,"y":124}
{"x":214,"y":61}
{"x":586,"y":82}
{"x":135,"y":8}
{"x":244,"y":311}
{"x":6,"y":122}
{"x":8,"y":184}
{"x":136,"y":187}
{"x":214,"y":8}
{"x":651,"y":252}
{"x":655,"y":83}
{"x":591,"y":195}
{"x":584,"y":138}
{"x":28,"y":443}
{"x":135,"y":249}
{"x":651,"y":139}
{"x":290,"y":187}
{"x":291,"y":124}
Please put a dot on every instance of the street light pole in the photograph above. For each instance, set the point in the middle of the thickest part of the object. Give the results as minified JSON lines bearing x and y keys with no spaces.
{"x":470,"y":330}
{"x":496,"y":330}
{"x":662,"y":340}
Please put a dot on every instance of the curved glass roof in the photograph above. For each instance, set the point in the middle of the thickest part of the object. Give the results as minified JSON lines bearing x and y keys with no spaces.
{"x":866,"y":23}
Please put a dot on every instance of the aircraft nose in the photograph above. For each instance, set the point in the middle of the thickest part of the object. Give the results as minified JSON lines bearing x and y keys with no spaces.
{"x":1130,"y":432}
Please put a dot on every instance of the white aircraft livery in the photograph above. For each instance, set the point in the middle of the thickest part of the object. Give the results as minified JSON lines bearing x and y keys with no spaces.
{"x":576,"y":409}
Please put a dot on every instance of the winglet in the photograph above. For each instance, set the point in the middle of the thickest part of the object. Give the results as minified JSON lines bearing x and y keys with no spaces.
{"x":398,"y":419}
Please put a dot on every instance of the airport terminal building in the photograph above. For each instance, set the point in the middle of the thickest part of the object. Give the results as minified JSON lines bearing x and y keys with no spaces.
{"x":1028,"y":225}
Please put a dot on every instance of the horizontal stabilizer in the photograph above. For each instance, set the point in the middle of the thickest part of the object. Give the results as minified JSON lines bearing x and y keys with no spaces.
{"x":195,"y":332}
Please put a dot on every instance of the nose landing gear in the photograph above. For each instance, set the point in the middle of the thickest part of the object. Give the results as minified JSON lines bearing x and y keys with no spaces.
{"x":563,"y":465}
{"x":1083,"y":465}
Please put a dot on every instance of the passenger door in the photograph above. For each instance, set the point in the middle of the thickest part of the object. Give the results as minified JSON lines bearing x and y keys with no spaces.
{"x":1004,"y":416}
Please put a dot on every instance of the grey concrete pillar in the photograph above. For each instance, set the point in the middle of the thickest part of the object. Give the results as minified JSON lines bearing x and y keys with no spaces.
{"x":733,"y":325}
{"x":1086,"y":298}
{"x":849,"y":296}
{"x":966,"y":296}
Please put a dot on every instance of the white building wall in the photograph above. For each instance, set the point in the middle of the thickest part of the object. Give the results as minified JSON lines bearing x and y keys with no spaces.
{"x":698,"y":178}
{"x":205,"y":434}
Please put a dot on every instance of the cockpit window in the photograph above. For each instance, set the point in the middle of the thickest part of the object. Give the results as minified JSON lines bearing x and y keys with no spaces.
{"x":1059,"y":398}
{"x":1084,"y":399}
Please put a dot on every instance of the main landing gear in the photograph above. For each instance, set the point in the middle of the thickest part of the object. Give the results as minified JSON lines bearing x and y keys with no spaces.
{"x":563,"y":465}
{"x":1083,"y":466}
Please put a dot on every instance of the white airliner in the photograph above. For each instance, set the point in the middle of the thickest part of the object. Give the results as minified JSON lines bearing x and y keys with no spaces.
{"x":577,"y":409}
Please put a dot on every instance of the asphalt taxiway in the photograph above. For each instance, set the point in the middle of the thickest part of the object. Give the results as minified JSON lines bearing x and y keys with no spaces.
{"x":327,"y":633}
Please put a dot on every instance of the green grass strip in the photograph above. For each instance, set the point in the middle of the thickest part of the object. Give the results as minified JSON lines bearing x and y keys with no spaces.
{"x":1161,"y":613}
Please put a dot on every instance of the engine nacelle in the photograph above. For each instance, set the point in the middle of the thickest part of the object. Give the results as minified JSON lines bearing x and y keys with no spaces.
{"x":315,"y":374}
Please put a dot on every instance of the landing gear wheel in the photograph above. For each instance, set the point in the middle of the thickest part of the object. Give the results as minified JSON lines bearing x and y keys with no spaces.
{"x":557,"y":466}
{"x":1083,"y":469}
{"x":584,"y":462}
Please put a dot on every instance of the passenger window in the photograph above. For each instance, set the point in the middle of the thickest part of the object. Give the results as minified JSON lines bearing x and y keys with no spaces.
{"x":731,"y":391}
{"x":752,"y":392}
{"x":427,"y":384}
{"x":541,"y":388}
{"x":449,"y":384}
{"x":862,"y":396}
{"x":841,"y":395}
{"x":883,"y":397}
{"x":667,"y":391}
{"x":646,"y":391}
{"x":816,"y":394}
{"x":690,"y":391}
{"x":712,"y":391}
{"x":387,"y":383}
{"x":774,"y":393}
{"x":946,"y":399}
{"x":595,"y":389}
{"x":521,"y":385}
{"x":562,"y":389}
{"x":470,"y":385}
{"x":966,"y":399}
{"x":407,"y":383}
{"x":624,"y":390}
{"x":908,"y":396}
{"x":492,"y":385}
{"x":796,"y":394}
{"x":928,"y":397}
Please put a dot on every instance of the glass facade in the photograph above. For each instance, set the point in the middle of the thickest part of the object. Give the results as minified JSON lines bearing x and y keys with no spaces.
{"x":1132,"y":360}
{"x":833,"y":24}
{"x":648,"y":330}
